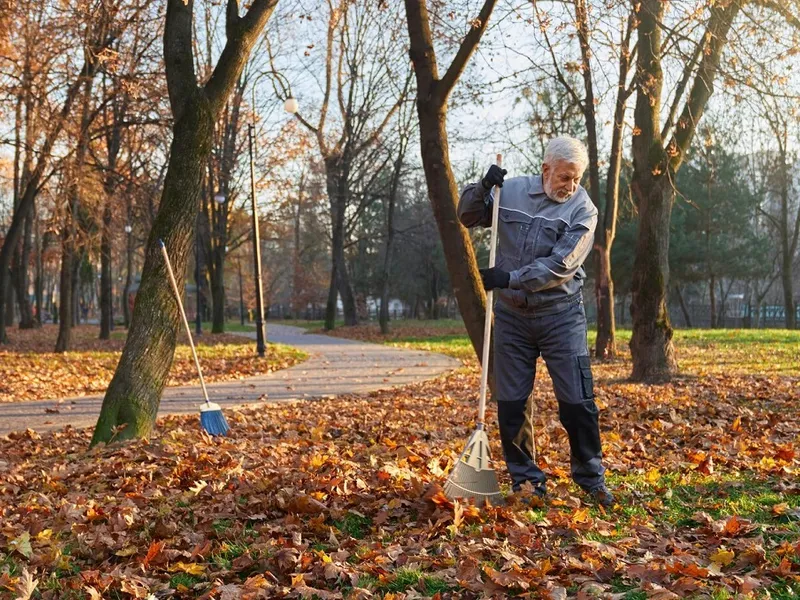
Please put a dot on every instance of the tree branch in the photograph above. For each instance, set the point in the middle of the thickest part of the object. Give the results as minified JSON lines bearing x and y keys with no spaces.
{"x":241,"y":36}
{"x":178,"y":58}
{"x":465,"y":50}
{"x":716,"y":35}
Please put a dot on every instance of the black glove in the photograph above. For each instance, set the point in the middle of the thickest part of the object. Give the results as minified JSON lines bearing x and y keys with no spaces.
{"x":494,"y":176}
{"x":494,"y":278}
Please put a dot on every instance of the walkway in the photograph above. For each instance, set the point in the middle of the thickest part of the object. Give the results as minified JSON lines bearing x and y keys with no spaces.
{"x":335,"y":366}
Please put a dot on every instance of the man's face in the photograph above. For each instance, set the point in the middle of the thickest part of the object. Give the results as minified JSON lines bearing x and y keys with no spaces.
{"x":560,"y":179}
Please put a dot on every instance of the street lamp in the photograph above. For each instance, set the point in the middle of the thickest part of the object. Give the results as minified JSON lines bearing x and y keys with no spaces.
{"x":291,"y":106}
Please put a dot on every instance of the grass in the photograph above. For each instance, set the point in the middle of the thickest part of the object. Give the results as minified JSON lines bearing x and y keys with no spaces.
{"x":354,"y":525}
{"x":700,"y":351}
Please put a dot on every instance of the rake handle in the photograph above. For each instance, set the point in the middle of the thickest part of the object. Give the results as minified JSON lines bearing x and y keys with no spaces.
{"x":487,"y":322}
{"x":183,"y":315}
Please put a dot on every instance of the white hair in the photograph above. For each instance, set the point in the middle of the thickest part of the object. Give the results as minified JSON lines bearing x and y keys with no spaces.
{"x":568,"y":149}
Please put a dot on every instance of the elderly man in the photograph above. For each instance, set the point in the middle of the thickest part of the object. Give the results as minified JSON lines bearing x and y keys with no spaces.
{"x":546,"y":229}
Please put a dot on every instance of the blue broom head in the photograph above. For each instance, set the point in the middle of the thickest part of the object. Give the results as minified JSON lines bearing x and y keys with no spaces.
{"x":212,"y":419}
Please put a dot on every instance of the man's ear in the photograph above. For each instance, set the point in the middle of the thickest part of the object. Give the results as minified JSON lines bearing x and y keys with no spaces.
{"x":545,"y":170}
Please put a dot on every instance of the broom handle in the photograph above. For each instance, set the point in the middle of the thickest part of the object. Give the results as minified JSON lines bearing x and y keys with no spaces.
{"x":487,"y":323}
{"x":183,"y":315}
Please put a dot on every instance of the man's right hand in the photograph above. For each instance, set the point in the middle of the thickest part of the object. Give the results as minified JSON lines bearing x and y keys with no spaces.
{"x":494,"y":176}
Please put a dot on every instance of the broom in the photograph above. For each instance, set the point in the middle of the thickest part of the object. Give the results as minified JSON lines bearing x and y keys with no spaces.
{"x":472,"y":476}
{"x":211,"y":418}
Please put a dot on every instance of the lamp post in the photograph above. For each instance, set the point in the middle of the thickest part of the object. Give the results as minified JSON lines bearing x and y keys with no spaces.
{"x":128,"y":280}
{"x":290,"y":106}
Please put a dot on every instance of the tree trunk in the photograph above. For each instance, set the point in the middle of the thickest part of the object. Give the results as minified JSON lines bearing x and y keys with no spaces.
{"x":684,"y":309}
{"x":41,"y":247}
{"x":606,"y":345}
{"x":106,"y":290}
{"x":651,"y":343}
{"x":443,"y":194}
{"x":22,"y":263}
{"x":712,"y":298}
{"x":788,"y":298}
{"x":655,"y":167}
{"x":432,"y":95}
{"x":65,"y":298}
{"x":218,"y":294}
{"x":134,"y":393}
{"x":336,"y":179}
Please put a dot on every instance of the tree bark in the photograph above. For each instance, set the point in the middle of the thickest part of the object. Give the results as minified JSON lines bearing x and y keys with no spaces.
{"x":684,"y":309}
{"x":655,"y":167}
{"x":133,"y":396}
{"x":606,"y":345}
{"x":432,"y":95}
{"x":106,"y":289}
{"x":131,"y":402}
{"x":69,"y":312}
{"x":336,"y":173}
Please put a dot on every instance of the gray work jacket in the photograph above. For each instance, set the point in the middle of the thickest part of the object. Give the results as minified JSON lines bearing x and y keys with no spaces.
{"x":543,"y":243}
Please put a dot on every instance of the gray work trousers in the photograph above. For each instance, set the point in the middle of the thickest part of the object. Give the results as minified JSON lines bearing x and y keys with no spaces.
{"x":558,"y":335}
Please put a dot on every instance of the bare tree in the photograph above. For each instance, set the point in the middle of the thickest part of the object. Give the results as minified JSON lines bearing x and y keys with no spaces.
{"x":432,"y":95}
{"x":134,"y":394}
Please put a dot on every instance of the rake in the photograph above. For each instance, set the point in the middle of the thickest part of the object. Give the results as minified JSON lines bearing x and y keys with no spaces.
{"x":211,"y":418}
{"x":472,"y":477}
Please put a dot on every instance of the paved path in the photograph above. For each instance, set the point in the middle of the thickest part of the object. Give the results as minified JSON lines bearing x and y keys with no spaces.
{"x":335,"y":366}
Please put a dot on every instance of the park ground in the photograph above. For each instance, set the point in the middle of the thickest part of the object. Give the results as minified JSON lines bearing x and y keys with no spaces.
{"x":30,"y":370}
{"x":342,"y":498}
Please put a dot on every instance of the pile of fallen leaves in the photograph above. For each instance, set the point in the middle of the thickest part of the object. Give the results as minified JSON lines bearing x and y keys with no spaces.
{"x":30,"y":370}
{"x":342,"y":498}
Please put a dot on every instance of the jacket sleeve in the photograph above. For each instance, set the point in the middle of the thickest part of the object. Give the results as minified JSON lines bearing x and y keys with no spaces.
{"x":475,"y":206}
{"x":568,"y":255}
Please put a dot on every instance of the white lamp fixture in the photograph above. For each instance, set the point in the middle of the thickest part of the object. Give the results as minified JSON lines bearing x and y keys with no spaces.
{"x":128,"y":228}
{"x":291,"y":106}
{"x":219,"y":198}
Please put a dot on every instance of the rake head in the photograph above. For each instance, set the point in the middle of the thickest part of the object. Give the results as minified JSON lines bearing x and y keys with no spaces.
{"x":472,"y":477}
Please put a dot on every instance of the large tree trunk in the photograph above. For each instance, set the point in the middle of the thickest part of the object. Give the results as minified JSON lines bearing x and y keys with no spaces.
{"x":651,"y":343}
{"x":134,"y":393}
{"x":432,"y":95}
{"x":131,"y":402}
{"x":655,"y":167}
{"x":443,"y":193}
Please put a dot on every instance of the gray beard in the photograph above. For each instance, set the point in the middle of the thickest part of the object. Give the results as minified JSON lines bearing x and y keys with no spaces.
{"x":553,"y":197}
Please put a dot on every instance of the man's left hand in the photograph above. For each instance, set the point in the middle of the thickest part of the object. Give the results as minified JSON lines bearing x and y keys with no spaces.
{"x":494,"y":278}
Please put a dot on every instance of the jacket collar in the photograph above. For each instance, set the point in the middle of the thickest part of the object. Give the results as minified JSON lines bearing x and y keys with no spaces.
{"x":535,"y":186}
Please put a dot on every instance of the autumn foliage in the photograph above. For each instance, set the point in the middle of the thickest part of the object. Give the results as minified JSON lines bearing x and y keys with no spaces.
{"x":342,"y":499}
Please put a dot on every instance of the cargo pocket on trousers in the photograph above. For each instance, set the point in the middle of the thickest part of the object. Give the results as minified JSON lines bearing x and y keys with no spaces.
{"x":587,"y":382}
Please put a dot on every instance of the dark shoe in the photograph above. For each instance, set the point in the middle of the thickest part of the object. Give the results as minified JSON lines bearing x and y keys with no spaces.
{"x":600,"y":495}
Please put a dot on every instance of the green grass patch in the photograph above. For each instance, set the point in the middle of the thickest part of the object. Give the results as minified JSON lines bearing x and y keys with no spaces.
{"x":354,"y":525}
{"x":403,"y":579}
{"x":728,"y":351}
{"x":183,"y":579}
